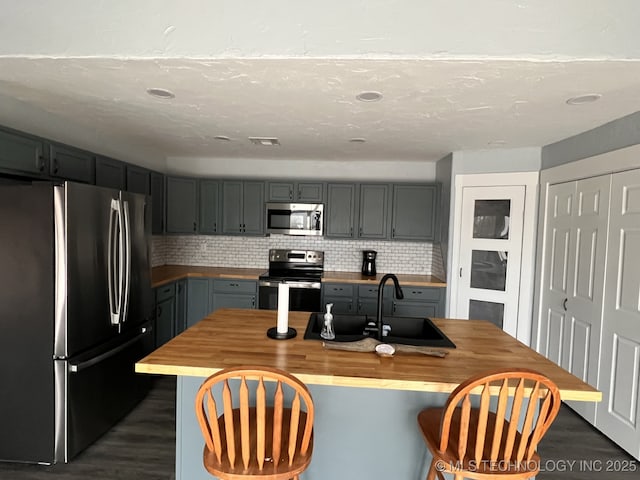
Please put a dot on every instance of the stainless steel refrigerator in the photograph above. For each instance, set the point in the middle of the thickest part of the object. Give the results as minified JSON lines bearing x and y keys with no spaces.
{"x":75,"y":315}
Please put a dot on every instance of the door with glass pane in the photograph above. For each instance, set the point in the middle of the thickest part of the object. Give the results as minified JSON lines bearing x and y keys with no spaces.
{"x":490,"y":255}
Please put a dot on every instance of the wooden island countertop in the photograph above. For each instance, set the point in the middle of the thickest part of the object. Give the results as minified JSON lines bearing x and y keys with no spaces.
{"x":231,"y":337}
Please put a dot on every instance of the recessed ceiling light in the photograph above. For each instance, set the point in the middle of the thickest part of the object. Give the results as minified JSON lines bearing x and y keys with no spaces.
{"x":265,"y":141}
{"x":369,"y":96}
{"x":581,"y":99}
{"x":160,"y":93}
{"x":357,"y":140}
{"x":222,"y":137}
{"x":496,"y":142}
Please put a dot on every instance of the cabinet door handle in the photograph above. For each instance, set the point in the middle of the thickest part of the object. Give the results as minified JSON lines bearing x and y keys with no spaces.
{"x":194,"y":226}
{"x":564,"y":304}
{"x":41,"y":163}
{"x":351,"y":231}
{"x":55,"y":165}
{"x":360,"y":231}
{"x":215,"y":227}
{"x":299,"y":193}
{"x":393,"y":232}
{"x":159,"y":310}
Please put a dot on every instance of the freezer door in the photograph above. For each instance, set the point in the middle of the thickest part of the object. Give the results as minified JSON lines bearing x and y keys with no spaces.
{"x":96,"y":389}
{"x":138,"y":293}
{"x":82,"y":227}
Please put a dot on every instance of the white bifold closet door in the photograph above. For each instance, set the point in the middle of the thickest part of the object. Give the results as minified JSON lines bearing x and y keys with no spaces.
{"x":574,"y":264}
{"x":618,"y":415}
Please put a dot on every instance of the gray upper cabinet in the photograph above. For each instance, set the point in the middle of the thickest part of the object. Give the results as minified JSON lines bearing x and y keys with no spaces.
{"x":414,"y":212}
{"x":71,"y":164}
{"x":242,"y":207}
{"x":209,"y":206}
{"x":22,"y":154}
{"x":373,"y":219}
{"x":157,"y":203}
{"x":296,"y":192}
{"x":340,"y":209}
{"x":110,"y":173}
{"x":182,"y":205}
{"x":138,"y":180}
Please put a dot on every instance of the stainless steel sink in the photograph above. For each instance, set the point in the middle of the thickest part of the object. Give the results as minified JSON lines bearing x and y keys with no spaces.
{"x":404,"y":330}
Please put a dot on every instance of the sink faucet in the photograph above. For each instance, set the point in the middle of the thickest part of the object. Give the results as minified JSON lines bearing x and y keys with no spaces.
{"x":399,"y":296}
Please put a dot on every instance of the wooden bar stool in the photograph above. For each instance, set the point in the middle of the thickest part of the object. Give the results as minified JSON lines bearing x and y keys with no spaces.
{"x":485,"y":442}
{"x":255,"y":436}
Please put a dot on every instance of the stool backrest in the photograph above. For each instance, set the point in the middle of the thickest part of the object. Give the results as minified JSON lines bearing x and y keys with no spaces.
{"x":494,"y":434}
{"x":251,"y":425}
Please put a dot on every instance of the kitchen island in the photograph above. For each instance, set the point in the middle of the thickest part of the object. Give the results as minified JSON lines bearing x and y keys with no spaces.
{"x":366,"y":405}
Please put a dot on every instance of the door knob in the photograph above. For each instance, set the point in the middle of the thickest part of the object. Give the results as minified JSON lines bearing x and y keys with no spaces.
{"x":564,"y":304}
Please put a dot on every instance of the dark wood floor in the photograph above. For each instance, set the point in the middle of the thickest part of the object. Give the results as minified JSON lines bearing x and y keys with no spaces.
{"x":142,"y":447}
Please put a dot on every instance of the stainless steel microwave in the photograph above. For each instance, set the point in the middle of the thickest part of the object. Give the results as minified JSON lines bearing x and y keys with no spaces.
{"x":295,"y":218}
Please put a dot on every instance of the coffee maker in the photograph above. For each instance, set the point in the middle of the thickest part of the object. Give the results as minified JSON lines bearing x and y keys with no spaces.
{"x":369,"y":263}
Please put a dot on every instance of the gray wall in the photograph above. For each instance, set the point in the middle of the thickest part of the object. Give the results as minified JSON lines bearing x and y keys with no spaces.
{"x":443,"y":176}
{"x":619,"y":133}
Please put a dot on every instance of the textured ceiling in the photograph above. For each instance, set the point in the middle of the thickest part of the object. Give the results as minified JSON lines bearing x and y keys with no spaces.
{"x":431,"y":106}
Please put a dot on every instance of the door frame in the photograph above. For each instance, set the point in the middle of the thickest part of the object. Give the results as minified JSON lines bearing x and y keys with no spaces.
{"x":529,"y":180}
{"x":611,"y":162}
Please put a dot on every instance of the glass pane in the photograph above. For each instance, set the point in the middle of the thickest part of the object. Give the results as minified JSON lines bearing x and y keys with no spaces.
{"x":491,"y":218}
{"x":480,"y":310}
{"x":488,"y":269}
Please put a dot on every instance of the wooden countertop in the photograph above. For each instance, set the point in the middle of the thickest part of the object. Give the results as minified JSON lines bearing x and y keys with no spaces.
{"x":231,"y":337}
{"x":171,"y":273}
{"x":404,"y":279}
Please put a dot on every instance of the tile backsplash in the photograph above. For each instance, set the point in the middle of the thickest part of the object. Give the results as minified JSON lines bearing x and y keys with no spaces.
{"x":252,"y":252}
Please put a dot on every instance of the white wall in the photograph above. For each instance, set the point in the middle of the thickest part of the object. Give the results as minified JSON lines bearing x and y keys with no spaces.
{"x":382,"y":171}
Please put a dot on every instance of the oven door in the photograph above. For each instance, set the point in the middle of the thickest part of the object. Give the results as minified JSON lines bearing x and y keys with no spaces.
{"x":303,"y":296}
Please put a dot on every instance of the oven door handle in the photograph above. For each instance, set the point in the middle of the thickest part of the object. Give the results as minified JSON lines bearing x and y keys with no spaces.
{"x":292,"y":284}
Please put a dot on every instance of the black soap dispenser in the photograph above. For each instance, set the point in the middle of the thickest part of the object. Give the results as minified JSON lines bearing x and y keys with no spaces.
{"x":369,"y":263}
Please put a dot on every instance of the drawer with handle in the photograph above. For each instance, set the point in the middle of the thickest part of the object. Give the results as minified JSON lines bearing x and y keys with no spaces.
{"x":165,"y":291}
{"x":234,"y":286}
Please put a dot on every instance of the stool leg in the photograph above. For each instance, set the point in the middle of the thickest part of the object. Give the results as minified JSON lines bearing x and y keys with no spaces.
{"x":431,"y":475}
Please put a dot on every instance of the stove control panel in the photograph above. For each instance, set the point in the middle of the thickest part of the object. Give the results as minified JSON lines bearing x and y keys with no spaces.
{"x":296,"y":256}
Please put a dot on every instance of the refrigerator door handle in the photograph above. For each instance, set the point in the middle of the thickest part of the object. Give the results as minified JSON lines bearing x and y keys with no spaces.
{"x":127,"y":261}
{"x":78,"y":367}
{"x":112,"y":280}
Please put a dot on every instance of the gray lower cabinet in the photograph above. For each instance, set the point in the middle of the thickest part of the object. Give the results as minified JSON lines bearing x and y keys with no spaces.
{"x":157,"y":203}
{"x":340,"y":210}
{"x":206,"y":295}
{"x":209,"y":206}
{"x":138,"y":180}
{"x":415,"y":212}
{"x":199,"y":304}
{"x":296,"y":192}
{"x":234,"y":293}
{"x":110,"y":173}
{"x":363,"y":300}
{"x":341,"y":295}
{"x":182,"y":205}
{"x":71,"y":164}
{"x":420,"y":302}
{"x":181,"y":307}
{"x":165,"y":313}
{"x":22,"y":153}
{"x":368,"y":300}
{"x":243,"y":207}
